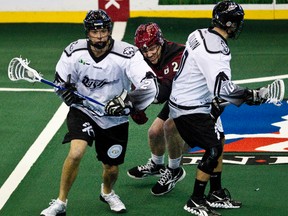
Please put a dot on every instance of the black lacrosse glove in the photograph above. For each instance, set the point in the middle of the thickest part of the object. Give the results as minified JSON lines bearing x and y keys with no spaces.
{"x":216,"y":109}
{"x":67,"y":93}
{"x":139,"y":117}
{"x":119,"y":105}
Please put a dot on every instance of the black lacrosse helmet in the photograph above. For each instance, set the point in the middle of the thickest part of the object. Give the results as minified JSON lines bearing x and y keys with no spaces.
{"x":228,"y":15}
{"x":97,"y":19}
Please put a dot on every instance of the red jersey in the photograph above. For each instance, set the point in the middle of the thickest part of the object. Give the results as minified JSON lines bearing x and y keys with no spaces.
{"x":167,"y":67}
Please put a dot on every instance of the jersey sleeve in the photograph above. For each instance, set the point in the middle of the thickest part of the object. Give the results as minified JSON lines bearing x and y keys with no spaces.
{"x":214,"y":62}
{"x":63,"y":69}
{"x":66,"y":63}
{"x":143,"y":79}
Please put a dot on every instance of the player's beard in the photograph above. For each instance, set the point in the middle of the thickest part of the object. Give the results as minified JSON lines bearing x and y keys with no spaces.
{"x":99,"y":45}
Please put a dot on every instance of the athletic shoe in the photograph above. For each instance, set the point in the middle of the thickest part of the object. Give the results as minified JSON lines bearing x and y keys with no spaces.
{"x":168,"y":180}
{"x":222,"y":199}
{"x":56,"y":208}
{"x":200,"y":208}
{"x":116,"y":205}
{"x":143,"y":171}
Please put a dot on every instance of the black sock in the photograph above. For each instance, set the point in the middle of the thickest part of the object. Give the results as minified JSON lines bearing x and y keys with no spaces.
{"x":199,"y":189}
{"x":215,"y":181}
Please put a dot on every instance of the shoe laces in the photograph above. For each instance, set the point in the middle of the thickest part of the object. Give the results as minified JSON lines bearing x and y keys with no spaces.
{"x":53,"y":201}
{"x":113,"y":199}
{"x":54,"y":204}
{"x":150,"y":165}
{"x":166,"y":175}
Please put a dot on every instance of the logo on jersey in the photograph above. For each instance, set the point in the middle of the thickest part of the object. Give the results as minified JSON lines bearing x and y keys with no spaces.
{"x":81,"y":61}
{"x":72,"y":46}
{"x":193,"y":42}
{"x":96,"y":84}
{"x":87,"y":128}
{"x":129,"y":51}
{"x":254,"y":135}
{"x":114,"y":151}
{"x":225,"y":50}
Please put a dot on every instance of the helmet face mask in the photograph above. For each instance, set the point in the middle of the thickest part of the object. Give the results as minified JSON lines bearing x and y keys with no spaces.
{"x":228,"y":16}
{"x":148,"y":35}
{"x":95,"y":20}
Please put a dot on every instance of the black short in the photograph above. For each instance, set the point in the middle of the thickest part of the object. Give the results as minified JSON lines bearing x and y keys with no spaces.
{"x":198,"y":130}
{"x":110,"y":143}
{"x":164,"y":113}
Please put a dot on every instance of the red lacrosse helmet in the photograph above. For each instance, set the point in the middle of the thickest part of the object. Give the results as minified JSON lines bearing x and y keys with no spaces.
{"x":147,"y":35}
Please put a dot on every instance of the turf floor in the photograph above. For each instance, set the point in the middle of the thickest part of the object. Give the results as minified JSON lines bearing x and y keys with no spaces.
{"x":260,"y":51}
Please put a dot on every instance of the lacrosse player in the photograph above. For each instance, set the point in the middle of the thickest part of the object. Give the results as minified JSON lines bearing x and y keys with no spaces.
{"x":201,"y":84}
{"x":164,"y":58}
{"x":103,"y":69}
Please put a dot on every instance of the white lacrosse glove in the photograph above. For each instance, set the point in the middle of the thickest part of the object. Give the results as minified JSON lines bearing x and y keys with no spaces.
{"x":257,"y":96}
{"x":273,"y":93}
{"x":119,"y":105}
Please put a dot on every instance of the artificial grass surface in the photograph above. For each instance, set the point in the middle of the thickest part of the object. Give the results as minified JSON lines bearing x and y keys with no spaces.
{"x":260,"y":51}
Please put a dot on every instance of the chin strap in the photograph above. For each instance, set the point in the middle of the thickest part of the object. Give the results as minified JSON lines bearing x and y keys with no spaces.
{"x":101,"y":45}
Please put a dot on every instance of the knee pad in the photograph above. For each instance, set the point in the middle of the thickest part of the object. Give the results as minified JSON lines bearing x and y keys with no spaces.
{"x":210,"y":159}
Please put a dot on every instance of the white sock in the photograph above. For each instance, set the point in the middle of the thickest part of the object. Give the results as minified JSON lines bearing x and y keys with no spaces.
{"x":157,"y":159}
{"x":174,"y":163}
{"x":61,"y":202}
{"x":102,"y":186}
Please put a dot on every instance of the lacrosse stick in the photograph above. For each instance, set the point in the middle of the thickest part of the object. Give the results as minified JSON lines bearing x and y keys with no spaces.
{"x":18,"y":69}
{"x":273,"y":93}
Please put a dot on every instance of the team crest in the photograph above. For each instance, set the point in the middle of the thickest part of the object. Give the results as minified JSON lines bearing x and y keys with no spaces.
{"x":226,"y":49}
{"x":114,"y":151}
{"x":129,"y":51}
{"x":72,"y":46}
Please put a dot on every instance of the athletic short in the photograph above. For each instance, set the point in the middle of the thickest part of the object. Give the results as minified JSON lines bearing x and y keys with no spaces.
{"x":110,"y":144}
{"x":198,"y":130}
{"x":164,"y":113}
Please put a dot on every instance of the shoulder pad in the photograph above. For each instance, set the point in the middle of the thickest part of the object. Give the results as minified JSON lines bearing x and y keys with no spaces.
{"x":124,"y":49}
{"x":76,"y":46}
{"x":214,"y":43}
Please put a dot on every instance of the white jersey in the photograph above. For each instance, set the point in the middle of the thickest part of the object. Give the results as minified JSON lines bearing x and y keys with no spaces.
{"x":203,"y":74}
{"x":105,"y":77}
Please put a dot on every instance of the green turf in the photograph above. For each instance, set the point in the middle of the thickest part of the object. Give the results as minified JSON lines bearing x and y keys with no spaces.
{"x":260,"y":51}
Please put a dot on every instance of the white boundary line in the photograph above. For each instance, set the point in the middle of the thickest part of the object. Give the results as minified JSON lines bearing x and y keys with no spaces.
{"x":262,"y":79}
{"x":25,"y":90}
{"x":244,"y":81}
{"x":32,"y":154}
{"x":264,"y":135}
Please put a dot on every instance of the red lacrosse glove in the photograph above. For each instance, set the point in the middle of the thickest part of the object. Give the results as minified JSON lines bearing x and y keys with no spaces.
{"x":139,"y":117}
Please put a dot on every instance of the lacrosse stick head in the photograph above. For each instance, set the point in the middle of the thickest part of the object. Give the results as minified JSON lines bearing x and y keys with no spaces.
{"x":18,"y":69}
{"x":275,"y":92}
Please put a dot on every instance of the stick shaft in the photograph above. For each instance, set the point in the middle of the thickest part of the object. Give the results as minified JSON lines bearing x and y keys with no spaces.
{"x":75,"y":92}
